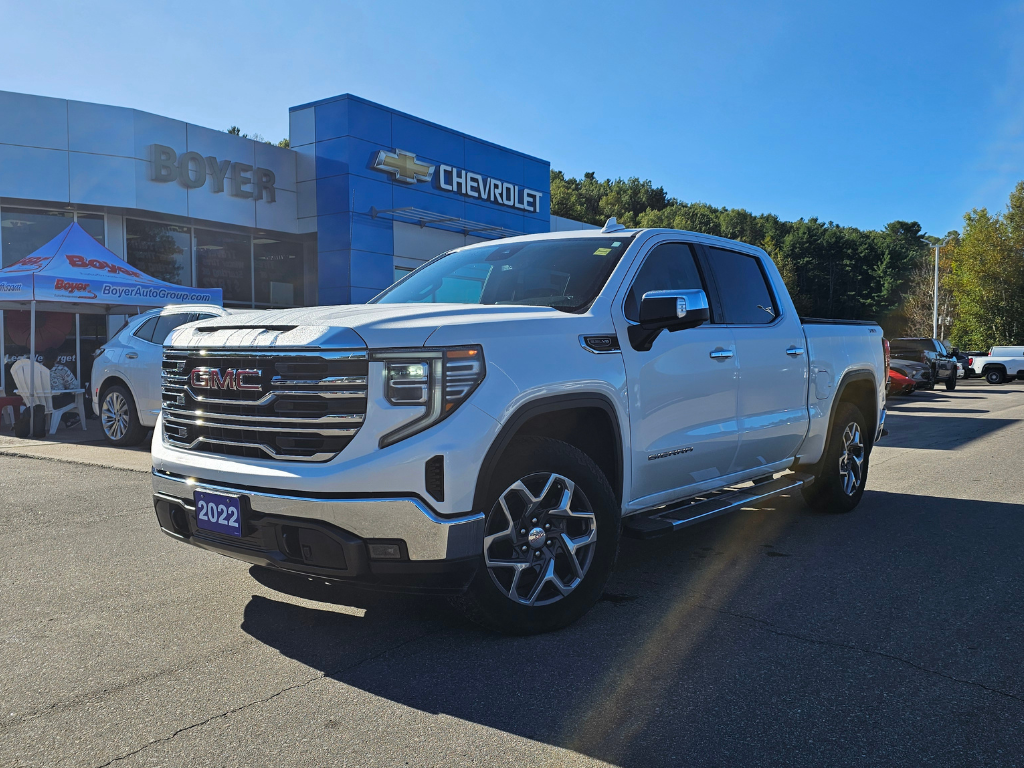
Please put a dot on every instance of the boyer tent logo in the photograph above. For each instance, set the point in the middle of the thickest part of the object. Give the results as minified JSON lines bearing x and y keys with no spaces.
{"x":80,"y":262}
{"x":73,"y":288}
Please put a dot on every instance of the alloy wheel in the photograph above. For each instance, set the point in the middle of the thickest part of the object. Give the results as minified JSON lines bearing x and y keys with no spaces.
{"x":114,"y":416}
{"x":540,"y":538}
{"x":851,"y":461}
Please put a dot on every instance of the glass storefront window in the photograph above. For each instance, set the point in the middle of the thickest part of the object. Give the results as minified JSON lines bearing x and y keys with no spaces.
{"x":26,"y":230}
{"x":163,"y":251}
{"x":224,"y":260}
{"x":93,"y":224}
{"x":280,"y":273}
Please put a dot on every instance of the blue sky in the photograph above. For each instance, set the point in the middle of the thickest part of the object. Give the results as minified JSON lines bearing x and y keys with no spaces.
{"x":859,"y":113}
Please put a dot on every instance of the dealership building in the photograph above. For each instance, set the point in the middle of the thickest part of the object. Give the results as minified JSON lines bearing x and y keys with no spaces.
{"x":363,"y":194}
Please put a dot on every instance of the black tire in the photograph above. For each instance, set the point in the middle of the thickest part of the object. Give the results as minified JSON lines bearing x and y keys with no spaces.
{"x":951,"y":383}
{"x":995,"y":376}
{"x":830,"y":491}
{"x":538,"y":463}
{"x":119,"y":418}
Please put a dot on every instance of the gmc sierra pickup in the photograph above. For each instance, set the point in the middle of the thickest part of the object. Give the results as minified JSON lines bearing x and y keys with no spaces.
{"x":490,"y":425}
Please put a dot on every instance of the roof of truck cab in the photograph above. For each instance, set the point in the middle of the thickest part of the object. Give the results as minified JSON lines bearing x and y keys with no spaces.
{"x":576,"y":234}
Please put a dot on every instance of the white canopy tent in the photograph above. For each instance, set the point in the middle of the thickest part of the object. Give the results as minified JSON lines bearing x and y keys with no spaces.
{"x":73,"y":273}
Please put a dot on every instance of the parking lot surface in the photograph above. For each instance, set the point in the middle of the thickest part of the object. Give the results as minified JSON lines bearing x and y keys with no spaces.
{"x":775,"y":636}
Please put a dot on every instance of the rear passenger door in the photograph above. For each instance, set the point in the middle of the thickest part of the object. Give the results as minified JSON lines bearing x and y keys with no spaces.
{"x":770,"y":355}
{"x":144,"y":368}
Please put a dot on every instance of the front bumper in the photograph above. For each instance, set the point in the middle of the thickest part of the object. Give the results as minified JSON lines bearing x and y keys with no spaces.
{"x":331,"y":537}
{"x":881,"y":431}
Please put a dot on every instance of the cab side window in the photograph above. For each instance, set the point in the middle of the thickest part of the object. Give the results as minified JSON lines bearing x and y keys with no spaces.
{"x":669,"y":267}
{"x":743,"y":288}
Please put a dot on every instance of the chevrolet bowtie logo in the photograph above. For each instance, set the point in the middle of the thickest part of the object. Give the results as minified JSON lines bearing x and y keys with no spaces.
{"x":403,"y":166}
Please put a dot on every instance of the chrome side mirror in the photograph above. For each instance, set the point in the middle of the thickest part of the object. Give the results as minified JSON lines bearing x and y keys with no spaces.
{"x":668,"y":311}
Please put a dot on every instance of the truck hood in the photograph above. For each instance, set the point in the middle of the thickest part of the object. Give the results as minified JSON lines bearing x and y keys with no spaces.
{"x":374,"y":326}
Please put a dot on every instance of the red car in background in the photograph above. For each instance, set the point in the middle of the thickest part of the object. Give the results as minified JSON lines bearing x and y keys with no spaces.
{"x":899,"y":384}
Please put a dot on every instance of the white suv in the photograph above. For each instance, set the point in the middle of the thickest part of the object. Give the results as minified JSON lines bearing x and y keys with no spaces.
{"x":126,"y":371}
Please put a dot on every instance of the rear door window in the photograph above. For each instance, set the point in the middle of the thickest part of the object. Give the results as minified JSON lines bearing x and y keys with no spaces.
{"x":145,"y":331}
{"x":166,"y":324}
{"x":669,"y":267}
{"x":743,"y":288}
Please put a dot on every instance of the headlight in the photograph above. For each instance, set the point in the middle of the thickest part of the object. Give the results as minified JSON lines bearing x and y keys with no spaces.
{"x":439,"y":379}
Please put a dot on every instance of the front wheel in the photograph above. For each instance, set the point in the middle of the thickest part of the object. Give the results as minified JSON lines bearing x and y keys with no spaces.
{"x":551,"y":536}
{"x":120,"y":418}
{"x":951,"y":383}
{"x":840,"y":476}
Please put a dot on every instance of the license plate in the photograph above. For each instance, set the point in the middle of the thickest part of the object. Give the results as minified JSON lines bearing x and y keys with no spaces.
{"x":219,"y":513}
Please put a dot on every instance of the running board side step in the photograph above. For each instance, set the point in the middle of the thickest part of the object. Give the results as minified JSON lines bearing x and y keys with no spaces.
{"x":663,"y":520}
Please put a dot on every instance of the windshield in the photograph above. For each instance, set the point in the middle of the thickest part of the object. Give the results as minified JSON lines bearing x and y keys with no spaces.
{"x":911,"y":347}
{"x":564,"y":274}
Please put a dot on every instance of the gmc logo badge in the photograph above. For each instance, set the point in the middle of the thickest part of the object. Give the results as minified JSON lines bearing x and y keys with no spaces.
{"x":232,"y":378}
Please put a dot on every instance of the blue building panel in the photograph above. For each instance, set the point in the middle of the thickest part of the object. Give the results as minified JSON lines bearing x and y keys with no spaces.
{"x":532,"y":226}
{"x":334,"y":277}
{"x":370,"y":234}
{"x":437,"y":145}
{"x":334,"y":232}
{"x":375,"y":271}
{"x":331,"y":119}
{"x":356,"y":249}
{"x":369,"y":122}
{"x":363,"y":295}
{"x":493,"y":161}
{"x":332,"y":195}
{"x":348,"y":154}
{"x":365,"y":194}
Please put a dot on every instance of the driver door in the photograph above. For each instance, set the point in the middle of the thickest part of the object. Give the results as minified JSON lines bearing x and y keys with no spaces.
{"x":682,"y":392}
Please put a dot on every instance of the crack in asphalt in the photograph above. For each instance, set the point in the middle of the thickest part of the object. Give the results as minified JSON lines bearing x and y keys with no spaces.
{"x":97,"y":695}
{"x":321,"y":676}
{"x":768,"y":626}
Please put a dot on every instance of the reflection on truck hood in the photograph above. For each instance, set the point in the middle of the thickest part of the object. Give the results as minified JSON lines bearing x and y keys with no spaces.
{"x":356,"y":325}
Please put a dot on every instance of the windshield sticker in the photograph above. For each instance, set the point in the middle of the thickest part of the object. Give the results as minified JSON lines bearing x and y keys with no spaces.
{"x":602,"y":251}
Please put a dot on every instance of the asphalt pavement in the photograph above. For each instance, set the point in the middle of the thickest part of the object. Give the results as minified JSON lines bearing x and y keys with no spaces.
{"x":776,"y":636}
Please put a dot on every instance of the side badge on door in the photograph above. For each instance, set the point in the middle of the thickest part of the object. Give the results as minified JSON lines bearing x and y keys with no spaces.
{"x":666,"y":454}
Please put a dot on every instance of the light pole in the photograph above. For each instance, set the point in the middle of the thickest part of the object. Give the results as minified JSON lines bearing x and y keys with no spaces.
{"x":935,"y":300}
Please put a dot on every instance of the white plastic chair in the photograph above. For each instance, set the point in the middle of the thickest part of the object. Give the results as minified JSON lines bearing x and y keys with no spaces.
{"x":43,"y":395}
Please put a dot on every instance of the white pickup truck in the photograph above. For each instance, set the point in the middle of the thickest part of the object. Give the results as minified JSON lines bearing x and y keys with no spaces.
{"x":1000,"y":364}
{"x":491,"y":425}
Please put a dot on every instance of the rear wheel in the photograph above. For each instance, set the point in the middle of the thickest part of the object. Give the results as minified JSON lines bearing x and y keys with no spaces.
{"x":120,"y":418}
{"x":550,"y":540}
{"x":951,"y":383}
{"x":840,"y":476}
{"x":995,"y":376}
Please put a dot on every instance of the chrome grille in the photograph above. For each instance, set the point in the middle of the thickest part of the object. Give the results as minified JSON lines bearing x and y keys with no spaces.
{"x":308,"y":405}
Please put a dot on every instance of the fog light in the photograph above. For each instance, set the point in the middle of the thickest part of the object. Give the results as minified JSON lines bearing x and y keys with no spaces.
{"x":385,"y":551}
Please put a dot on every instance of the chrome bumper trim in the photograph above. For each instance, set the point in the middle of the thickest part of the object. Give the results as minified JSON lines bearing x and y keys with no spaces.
{"x":881,"y":426}
{"x":426,"y":535}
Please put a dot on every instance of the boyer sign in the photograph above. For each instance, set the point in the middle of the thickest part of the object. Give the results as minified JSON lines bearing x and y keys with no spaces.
{"x":192,"y":171}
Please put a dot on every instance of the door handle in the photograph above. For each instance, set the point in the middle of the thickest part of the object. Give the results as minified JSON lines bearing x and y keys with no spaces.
{"x":795,"y":351}
{"x":132,"y":355}
{"x":721,"y":354}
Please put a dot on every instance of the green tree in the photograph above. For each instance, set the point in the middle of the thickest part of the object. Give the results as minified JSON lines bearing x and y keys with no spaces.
{"x":234,"y":130}
{"x":987,"y":277}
